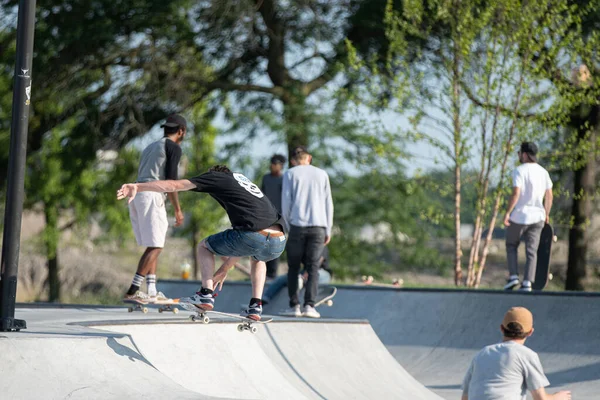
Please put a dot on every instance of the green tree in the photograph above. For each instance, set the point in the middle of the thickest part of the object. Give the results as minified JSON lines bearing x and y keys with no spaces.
{"x":55,"y":188}
{"x":104,"y":72}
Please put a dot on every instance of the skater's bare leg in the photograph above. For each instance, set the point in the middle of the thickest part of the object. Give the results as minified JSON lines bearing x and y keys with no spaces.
{"x":149,"y":261}
{"x":207,"y":265}
{"x":258,"y":275}
{"x":147,"y":265}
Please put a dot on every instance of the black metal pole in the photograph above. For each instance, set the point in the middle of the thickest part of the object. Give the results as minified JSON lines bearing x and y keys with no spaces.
{"x":16,"y":167}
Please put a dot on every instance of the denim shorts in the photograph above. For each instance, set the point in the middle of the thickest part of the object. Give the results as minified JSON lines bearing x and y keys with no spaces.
{"x":238,"y":243}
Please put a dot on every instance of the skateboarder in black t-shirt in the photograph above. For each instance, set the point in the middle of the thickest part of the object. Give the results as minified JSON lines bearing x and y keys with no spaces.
{"x":257,"y":230}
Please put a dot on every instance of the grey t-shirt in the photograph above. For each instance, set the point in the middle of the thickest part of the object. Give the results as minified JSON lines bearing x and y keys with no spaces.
{"x":504,"y":371}
{"x":159,"y":161}
{"x":271,"y":187}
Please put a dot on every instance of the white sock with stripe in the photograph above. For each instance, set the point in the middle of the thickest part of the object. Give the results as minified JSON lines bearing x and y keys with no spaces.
{"x":151,"y":282}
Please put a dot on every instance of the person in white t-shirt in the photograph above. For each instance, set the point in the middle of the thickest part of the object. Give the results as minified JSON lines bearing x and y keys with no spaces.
{"x":508,"y":370}
{"x":528,"y":211}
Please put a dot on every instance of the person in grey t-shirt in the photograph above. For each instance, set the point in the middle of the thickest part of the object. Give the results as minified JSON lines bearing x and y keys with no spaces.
{"x":507,"y":370}
{"x":271,"y":187}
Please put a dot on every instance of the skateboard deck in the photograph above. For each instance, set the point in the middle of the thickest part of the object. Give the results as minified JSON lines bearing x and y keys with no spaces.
{"x":202,"y":315}
{"x":325,"y":296}
{"x":143,"y":306}
{"x":542,"y":270}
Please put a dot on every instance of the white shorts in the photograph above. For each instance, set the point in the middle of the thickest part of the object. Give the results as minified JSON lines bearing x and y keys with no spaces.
{"x":149,"y":219}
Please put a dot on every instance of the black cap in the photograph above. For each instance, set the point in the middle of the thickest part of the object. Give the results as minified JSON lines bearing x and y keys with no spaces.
{"x":277,"y":159}
{"x":174,"y":121}
{"x":529,"y":148}
{"x":299,"y":149}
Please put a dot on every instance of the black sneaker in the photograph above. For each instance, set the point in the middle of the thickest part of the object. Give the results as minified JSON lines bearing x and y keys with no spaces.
{"x":253,"y":311}
{"x":511,"y":284}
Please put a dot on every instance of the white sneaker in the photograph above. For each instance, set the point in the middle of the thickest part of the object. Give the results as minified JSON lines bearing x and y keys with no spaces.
{"x":310,"y":312}
{"x":206,"y":302}
{"x":139,"y":297}
{"x":292,"y":312}
{"x":160,"y":298}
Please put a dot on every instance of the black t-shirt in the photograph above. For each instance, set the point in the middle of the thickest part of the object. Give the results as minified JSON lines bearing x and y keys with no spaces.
{"x":246,"y":205}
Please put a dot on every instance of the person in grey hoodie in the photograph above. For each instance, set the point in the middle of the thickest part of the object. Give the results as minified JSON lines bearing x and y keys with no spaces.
{"x":307,"y":209}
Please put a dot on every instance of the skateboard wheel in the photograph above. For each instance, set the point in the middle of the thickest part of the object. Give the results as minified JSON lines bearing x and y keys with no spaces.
{"x":130,"y":309}
{"x":240,"y":328}
{"x":329,"y":303}
{"x":175,"y":310}
{"x":160,"y":310}
{"x":145,"y":310}
{"x":253,"y":329}
{"x":192,"y":318}
{"x":206,"y":320}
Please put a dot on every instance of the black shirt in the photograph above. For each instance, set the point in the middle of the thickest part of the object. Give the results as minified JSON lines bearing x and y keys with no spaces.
{"x":173,"y":153}
{"x":246,"y":205}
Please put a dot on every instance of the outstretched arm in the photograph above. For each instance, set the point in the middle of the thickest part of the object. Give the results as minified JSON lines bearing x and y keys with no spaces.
{"x":131,"y":189}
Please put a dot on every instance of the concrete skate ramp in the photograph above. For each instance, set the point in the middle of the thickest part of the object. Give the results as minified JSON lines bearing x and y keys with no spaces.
{"x":284,"y":360}
{"x":93,"y":367}
{"x":434,"y":334}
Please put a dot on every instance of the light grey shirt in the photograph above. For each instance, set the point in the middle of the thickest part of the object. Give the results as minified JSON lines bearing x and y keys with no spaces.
{"x":306,"y":198}
{"x":504,"y":371}
{"x":159,"y":161}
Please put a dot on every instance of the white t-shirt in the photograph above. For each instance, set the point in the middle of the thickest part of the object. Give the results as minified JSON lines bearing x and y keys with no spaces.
{"x":533,"y":180}
{"x":504,"y":371}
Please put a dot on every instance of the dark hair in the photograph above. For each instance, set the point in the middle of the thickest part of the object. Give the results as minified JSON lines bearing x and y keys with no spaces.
{"x":170,"y":130}
{"x":514,"y":331}
{"x":278,"y":158}
{"x":219,"y":168}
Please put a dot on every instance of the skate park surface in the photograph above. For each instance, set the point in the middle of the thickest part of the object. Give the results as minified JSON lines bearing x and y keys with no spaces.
{"x":372,"y":343}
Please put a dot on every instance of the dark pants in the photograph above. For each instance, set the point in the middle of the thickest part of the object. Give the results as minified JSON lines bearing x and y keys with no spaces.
{"x":305,"y":245}
{"x":531,"y":235}
{"x":272,"y":267}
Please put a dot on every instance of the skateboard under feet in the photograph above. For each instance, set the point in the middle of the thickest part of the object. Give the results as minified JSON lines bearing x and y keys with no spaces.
{"x":201,"y":316}
{"x":138,"y":305}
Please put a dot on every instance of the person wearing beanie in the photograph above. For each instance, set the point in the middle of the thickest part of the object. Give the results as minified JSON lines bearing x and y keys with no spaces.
{"x":508,"y":370}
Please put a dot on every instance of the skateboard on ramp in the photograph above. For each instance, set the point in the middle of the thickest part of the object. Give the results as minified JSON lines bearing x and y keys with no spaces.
{"x":143,"y":306}
{"x":542,"y":271}
{"x":202,"y":316}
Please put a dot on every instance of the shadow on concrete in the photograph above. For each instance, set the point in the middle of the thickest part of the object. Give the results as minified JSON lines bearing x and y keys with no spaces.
{"x":125,"y":351}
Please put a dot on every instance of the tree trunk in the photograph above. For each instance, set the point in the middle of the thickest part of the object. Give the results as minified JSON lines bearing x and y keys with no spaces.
{"x":457,"y":163}
{"x":51,"y":236}
{"x":581,"y":210}
{"x":296,"y":124}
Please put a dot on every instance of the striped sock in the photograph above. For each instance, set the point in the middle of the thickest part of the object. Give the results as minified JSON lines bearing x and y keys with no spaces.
{"x":151,"y":282}
{"x":135,"y":284}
